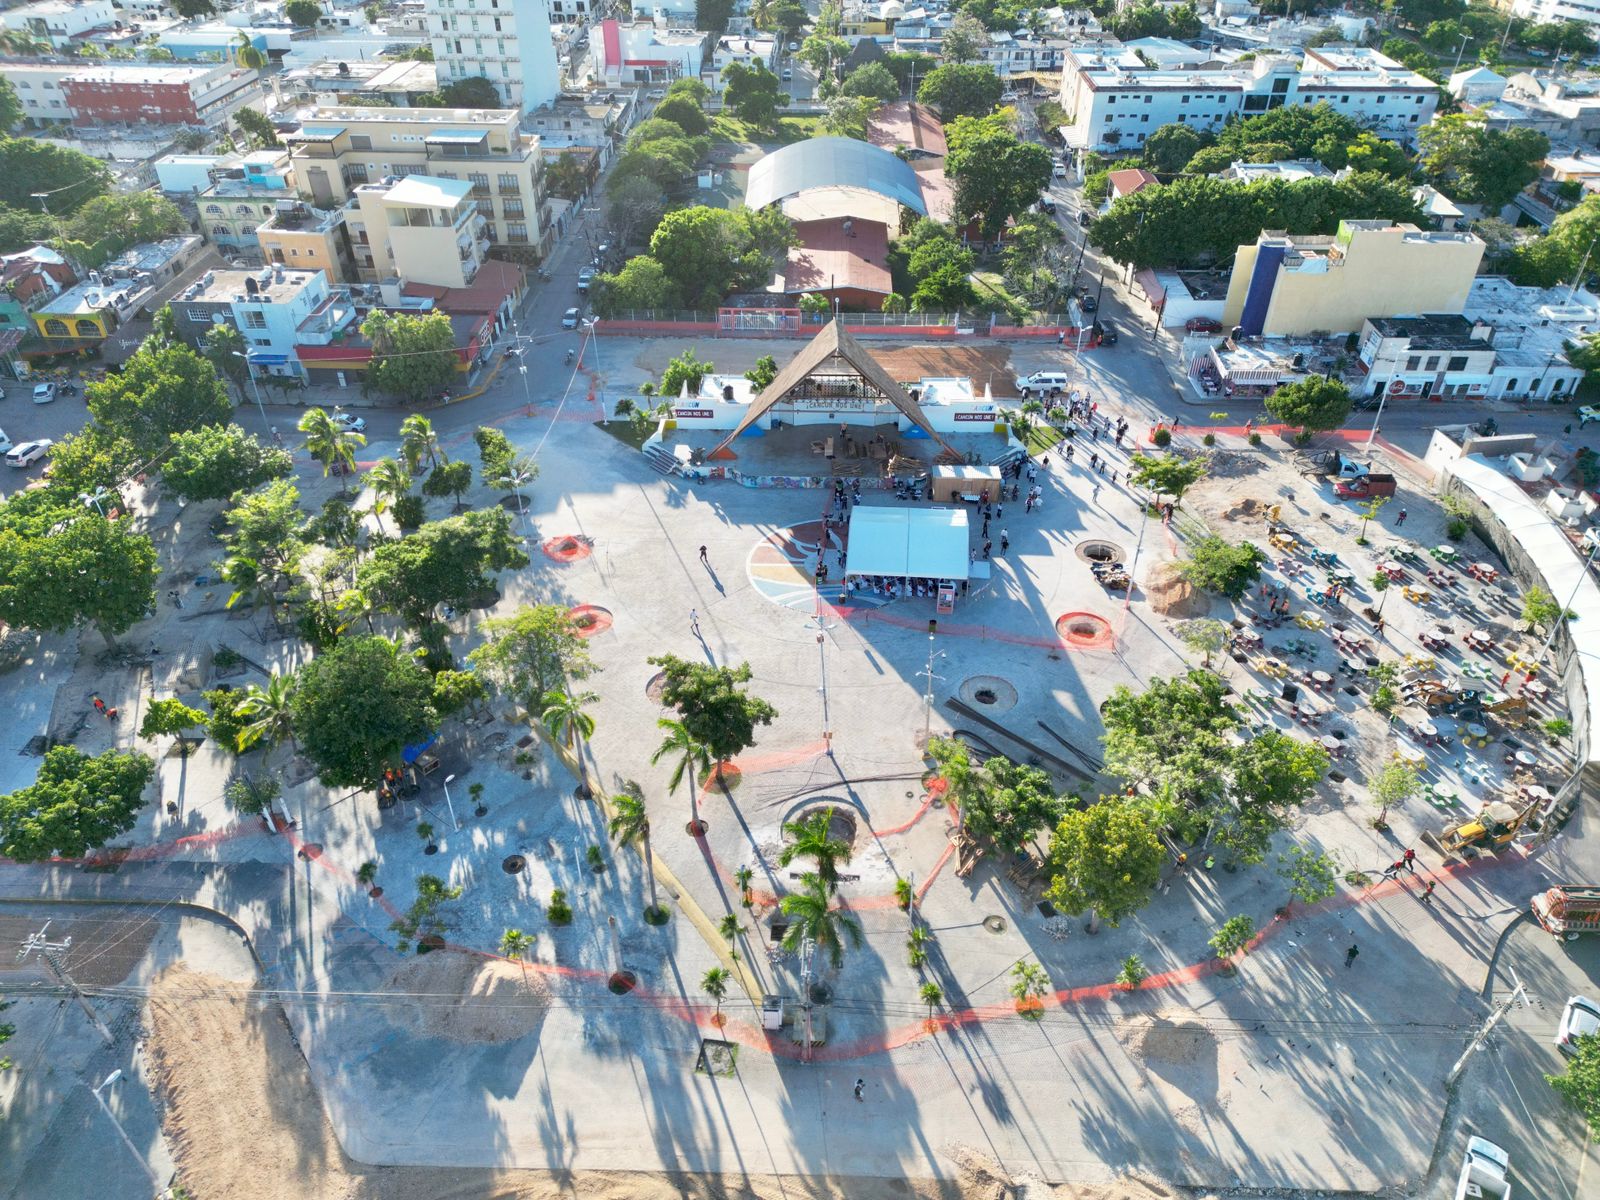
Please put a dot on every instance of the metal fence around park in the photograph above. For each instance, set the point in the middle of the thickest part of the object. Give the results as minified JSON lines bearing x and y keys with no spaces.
{"x":791,"y":322}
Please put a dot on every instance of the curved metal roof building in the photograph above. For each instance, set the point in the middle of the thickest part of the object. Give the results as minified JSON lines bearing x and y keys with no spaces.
{"x":832,"y":162}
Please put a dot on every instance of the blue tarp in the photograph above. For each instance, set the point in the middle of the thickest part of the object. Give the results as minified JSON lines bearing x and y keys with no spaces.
{"x":411,"y":753}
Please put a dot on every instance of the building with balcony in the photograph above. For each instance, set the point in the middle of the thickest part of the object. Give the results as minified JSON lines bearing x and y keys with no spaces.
{"x":156,"y":94}
{"x":60,"y":21}
{"x":240,"y":198}
{"x":1116,"y":100}
{"x":424,"y":230}
{"x":338,"y":150}
{"x":639,"y":52}
{"x":507,"y":42}
{"x":86,"y":314}
{"x":1291,"y":286}
{"x":308,"y":239}
{"x":38,"y":85}
{"x":274,"y":309}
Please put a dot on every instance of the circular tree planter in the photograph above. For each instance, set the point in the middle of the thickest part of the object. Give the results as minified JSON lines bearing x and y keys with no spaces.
{"x":514,"y":864}
{"x":374,"y":892}
{"x":1084,"y":631}
{"x":589,"y":619}
{"x":429,"y":944}
{"x":622,"y":982}
{"x":989,"y":692}
{"x":723,"y":777}
{"x":567,"y":548}
{"x":656,"y":686}
{"x":696,"y":828}
{"x":657,"y":916}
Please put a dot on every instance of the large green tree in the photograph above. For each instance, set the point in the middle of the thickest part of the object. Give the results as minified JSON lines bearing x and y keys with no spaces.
{"x":11,"y":111}
{"x":357,"y":705}
{"x":713,"y":705}
{"x":753,"y":94}
{"x":413,"y":358}
{"x":1166,"y":474}
{"x":1311,"y":404}
{"x":159,"y":392}
{"x":640,"y":286}
{"x":215,"y":461}
{"x":633,"y":208}
{"x":1579,"y":1086}
{"x":449,"y":562}
{"x":534,"y":651}
{"x":708,"y":252}
{"x":965,"y":40}
{"x":1170,"y":148}
{"x":873,"y":81}
{"x":66,"y":178}
{"x":996,"y":175}
{"x":63,"y":565}
{"x":1479,"y":165}
{"x":1106,"y":860}
{"x":303,"y":13}
{"x":78,"y":803}
{"x":960,"y":90}
{"x":1170,"y":738}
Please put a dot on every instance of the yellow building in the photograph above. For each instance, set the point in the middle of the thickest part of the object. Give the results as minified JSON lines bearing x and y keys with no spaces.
{"x":422,"y":229}
{"x":83,"y":313}
{"x":309,"y":239}
{"x":1288,"y":286}
{"x":337,"y":150}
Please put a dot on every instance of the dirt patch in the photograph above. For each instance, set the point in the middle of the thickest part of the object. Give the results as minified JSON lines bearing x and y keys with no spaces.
{"x":463,"y":998}
{"x":982,"y":364}
{"x":228,"y":1064}
{"x":1172,"y":595}
{"x":1171,"y":1039}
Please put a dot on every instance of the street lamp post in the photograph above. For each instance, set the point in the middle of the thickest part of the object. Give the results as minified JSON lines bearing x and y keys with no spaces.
{"x":110,"y":1081}
{"x":254,"y":387}
{"x":927,"y":699}
{"x":448,"y":779}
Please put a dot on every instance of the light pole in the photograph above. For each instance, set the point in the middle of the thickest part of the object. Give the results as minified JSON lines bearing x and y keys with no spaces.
{"x":822,"y":628}
{"x":109,"y":1081}
{"x":1462,"y":49}
{"x":448,"y":779}
{"x":1561,"y":616}
{"x":599,"y":389}
{"x":927,"y":699}
{"x":254,"y":387}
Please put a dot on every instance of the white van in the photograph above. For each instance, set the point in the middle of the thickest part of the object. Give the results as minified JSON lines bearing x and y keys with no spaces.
{"x":1042,"y":381}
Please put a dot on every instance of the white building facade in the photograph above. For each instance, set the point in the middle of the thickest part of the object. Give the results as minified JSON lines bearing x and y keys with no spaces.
{"x":506,"y":41}
{"x":1116,"y":101}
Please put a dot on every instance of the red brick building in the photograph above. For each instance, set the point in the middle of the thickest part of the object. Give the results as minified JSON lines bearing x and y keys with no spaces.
{"x":123,"y":94}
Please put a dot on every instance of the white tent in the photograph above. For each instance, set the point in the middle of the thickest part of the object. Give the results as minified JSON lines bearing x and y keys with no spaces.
{"x":909,"y":543}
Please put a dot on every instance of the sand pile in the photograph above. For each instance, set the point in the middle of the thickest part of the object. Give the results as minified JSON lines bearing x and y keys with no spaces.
{"x":1171,"y":595}
{"x":465,"y":998}
{"x":1172,"y":1039}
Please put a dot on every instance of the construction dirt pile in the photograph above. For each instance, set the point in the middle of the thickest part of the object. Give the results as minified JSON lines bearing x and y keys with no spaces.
{"x":1171,"y":595}
{"x":464,"y":998}
{"x":245,"y":1123}
{"x":1171,"y":1039}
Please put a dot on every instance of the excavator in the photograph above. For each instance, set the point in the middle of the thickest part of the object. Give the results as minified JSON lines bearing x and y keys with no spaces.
{"x":1492,"y":829}
{"x":1465,"y":703}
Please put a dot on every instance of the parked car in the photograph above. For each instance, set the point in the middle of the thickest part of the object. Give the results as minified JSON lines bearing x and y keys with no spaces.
{"x":1088,"y":303}
{"x":793,"y":46}
{"x":345,"y":421}
{"x":1060,"y":170}
{"x":584,"y":277}
{"x":29,"y":453}
{"x":5,"y":442}
{"x":1107,"y":332}
{"x":1483,"y":1172}
{"x":787,"y":74}
{"x":1042,"y":381}
{"x":1202,"y":325}
{"x":569,"y":319}
{"x":656,"y":94}
{"x":1581,"y":1018}
{"x":1085,"y":217}
{"x":1366,"y":403}
{"x":43,"y":393}
{"x":1047,"y":205}
{"x":1009,"y":97}
{"x":1586,"y":414}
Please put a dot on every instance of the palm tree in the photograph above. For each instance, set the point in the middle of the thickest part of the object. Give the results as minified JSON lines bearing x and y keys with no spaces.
{"x":249,"y":581}
{"x":357,"y":604}
{"x":742,"y":878}
{"x":813,"y":918}
{"x":730,"y":928}
{"x":515,"y":945}
{"x":629,"y":822}
{"x":245,"y":52}
{"x":715,"y":984}
{"x":563,"y":715}
{"x":389,"y":482}
{"x":425,"y":832}
{"x":812,"y":840}
{"x":418,"y":441}
{"x":270,"y":713}
{"x":329,"y":442}
{"x":692,"y":758}
{"x":23,"y":44}
{"x":761,"y":14}
{"x":931,"y":994}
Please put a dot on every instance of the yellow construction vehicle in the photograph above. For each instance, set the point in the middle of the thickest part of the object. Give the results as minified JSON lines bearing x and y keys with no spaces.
{"x":1493,"y":828}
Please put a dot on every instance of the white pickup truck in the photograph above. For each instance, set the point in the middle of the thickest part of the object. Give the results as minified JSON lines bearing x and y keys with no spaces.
{"x":1483,"y":1172}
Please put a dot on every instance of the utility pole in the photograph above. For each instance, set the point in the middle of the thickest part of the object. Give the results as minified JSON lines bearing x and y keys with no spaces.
{"x":1483,"y":1034}
{"x":51,"y":952}
{"x":927,"y":699}
{"x":822,"y":628}
{"x":110,"y":1081}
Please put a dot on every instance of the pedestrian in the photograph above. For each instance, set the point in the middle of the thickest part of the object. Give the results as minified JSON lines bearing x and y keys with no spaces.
{"x":1182,"y":865}
{"x":1027,"y":506}
{"x":1094,"y":460}
{"x":1409,"y":860}
{"x":703,"y":557}
{"x":986,"y":548}
{"x":1061,"y":338}
{"x":100,"y":706}
{"x":1094,"y":496}
{"x":986,"y":527}
{"x":1045,"y":462}
{"x":1005,"y":541}
{"x":860,"y":1087}
{"x":1427,"y":893}
{"x":999,"y":511}
{"x":694,"y":622}
{"x":1350,"y":954}
{"x":1400,"y":519}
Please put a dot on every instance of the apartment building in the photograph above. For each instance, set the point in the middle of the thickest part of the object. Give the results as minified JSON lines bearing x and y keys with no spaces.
{"x":38,"y":85}
{"x":275,"y":310}
{"x":308,"y":239}
{"x":1116,"y":100}
{"x":423,"y":230}
{"x":506,"y":41}
{"x":339,"y":149}
{"x":59,"y":21}
{"x":241,"y":197}
{"x":1291,"y":286}
{"x":1545,"y":11}
{"x":157,"y":94}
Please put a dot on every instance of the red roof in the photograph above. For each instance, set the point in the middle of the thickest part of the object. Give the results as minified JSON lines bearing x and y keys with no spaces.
{"x":1126,"y":183}
{"x":495,"y":282}
{"x":903,"y":123}
{"x":828,"y":257}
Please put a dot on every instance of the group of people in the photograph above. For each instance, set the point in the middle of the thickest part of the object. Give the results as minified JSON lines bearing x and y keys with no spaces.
{"x":895,"y":589}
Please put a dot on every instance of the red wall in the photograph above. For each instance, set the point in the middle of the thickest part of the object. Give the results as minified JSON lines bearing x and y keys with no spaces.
{"x":143,"y":103}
